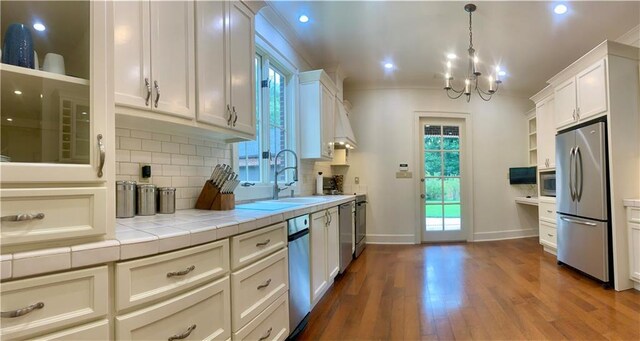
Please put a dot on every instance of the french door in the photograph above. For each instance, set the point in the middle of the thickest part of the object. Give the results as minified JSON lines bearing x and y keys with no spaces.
{"x":443,"y":179}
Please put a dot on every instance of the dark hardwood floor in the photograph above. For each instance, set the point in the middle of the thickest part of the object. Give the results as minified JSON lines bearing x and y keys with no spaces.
{"x":502,"y":290}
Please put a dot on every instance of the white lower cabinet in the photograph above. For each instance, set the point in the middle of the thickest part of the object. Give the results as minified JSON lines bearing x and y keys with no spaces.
{"x":257,"y":286}
{"x":325,"y":262}
{"x":271,"y":324}
{"x":46,"y":303}
{"x":91,"y":331}
{"x":200,"y":314}
{"x":547,"y":224}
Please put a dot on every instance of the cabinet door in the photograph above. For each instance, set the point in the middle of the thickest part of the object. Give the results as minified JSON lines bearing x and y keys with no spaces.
{"x":546,"y":134}
{"x":37,"y":124}
{"x":592,"y":90}
{"x":241,"y":67}
{"x":213,"y":82}
{"x":541,"y":139}
{"x":172,"y":53}
{"x":327,"y":117}
{"x":318,"y":241}
{"x":132,"y":53}
{"x":634,"y":250}
{"x":333,"y":243}
{"x":565,"y":98}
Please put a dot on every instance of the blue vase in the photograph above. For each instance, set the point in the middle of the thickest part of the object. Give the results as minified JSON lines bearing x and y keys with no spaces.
{"x":18,"y":46}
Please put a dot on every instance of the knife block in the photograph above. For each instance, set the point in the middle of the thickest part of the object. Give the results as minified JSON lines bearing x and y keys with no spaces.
{"x":211,"y":199}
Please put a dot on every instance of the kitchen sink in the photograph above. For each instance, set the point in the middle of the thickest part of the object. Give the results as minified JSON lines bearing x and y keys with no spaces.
{"x":268,"y":206}
{"x":300,"y":200}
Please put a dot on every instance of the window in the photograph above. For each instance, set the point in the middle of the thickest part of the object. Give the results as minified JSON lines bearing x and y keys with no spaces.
{"x":256,"y":159}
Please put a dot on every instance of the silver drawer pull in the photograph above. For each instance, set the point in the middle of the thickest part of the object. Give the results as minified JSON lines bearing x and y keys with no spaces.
{"x":183,"y":335}
{"x":155,"y":103}
{"x":265,"y":284}
{"x":181,"y":273}
{"x":23,"y":217}
{"x":264,"y":243}
{"x":549,"y":211}
{"x":23,"y":311}
{"x":549,"y":234}
{"x":148,"y":85}
{"x":103,"y":153}
{"x":266,"y":335}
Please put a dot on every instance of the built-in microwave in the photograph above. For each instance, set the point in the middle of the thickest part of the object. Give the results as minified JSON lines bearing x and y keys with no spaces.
{"x":548,"y":184}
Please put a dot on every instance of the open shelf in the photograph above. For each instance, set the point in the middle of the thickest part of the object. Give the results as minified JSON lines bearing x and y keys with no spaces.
{"x":42,"y":74}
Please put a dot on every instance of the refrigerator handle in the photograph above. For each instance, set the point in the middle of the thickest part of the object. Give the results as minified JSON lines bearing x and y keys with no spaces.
{"x":579,"y":174}
{"x":571,"y":165}
{"x":574,"y":221}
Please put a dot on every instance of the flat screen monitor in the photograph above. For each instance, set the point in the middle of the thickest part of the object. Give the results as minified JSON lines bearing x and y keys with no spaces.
{"x":522,"y":175}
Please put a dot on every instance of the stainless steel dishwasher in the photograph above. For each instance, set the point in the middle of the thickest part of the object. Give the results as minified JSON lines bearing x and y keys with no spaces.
{"x":299,"y":275}
{"x":347,"y":215}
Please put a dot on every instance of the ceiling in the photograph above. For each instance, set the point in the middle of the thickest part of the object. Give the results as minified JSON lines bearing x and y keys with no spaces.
{"x":527,"y":39}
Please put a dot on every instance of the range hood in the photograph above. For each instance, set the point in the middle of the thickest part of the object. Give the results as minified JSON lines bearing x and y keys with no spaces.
{"x":344,"y":133}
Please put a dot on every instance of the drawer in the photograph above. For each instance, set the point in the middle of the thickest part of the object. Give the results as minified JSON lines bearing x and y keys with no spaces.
{"x":249,"y":247}
{"x":633,"y":214}
{"x":92,"y":331}
{"x":68,"y":298}
{"x":257,"y":286}
{"x":547,"y":212}
{"x":66,"y":213}
{"x":200,"y":314}
{"x":151,"y":278}
{"x":548,"y":234}
{"x":271,"y":324}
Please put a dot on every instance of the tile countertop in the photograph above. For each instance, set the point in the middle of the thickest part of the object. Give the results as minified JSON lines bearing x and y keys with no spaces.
{"x":632,"y":202}
{"x":149,"y":235}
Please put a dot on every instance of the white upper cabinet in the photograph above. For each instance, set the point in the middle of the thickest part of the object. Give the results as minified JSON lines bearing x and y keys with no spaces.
{"x":242,"y":75}
{"x":546,"y":133}
{"x":225,"y":39}
{"x":155,"y":56}
{"x":581,"y":97}
{"x":317,"y":96}
{"x":54,"y":122}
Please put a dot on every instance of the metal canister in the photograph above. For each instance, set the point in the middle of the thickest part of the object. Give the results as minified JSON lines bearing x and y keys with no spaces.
{"x":125,"y":199}
{"x":146,"y":199}
{"x":166,"y":200}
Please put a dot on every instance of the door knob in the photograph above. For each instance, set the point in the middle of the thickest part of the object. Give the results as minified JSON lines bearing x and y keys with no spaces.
{"x":423,"y":196}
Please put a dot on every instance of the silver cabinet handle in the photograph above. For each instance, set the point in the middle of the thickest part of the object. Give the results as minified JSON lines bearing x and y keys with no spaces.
{"x":330,"y":217}
{"x":22,"y":311}
{"x":549,"y":234}
{"x":146,"y":82}
{"x":549,"y":211}
{"x":230,"y":115}
{"x":574,"y":114}
{"x":183,"y":335}
{"x":569,"y":220}
{"x":235,"y":116}
{"x":23,"y":217}
{"x":102,"y":155}
{"x":578,"y":112}
{"x":264,"y":243}
{"x":326,"y":218}
{"x":182,"y":272}
{"x":265,"y":284}
{"x":248,"y":184}
{"x":266,"y":335}
{"x":155,"y":84}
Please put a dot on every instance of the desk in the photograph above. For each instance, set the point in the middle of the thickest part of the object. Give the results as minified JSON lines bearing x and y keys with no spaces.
{"x":527,"y":201}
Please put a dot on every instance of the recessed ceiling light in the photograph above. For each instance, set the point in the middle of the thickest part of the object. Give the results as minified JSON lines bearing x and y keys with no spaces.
{"x":452,"y":56}
{"x":502,"y":73}
{"x":84,"y":112}
{"x":303,"y":18}
{"x":560,"y":9}
{"x":388,"y":66}
{"x":18,"y":92}
{"x":10,"y":119}
{"x":341,"y":143}
{"x":39,"y":27}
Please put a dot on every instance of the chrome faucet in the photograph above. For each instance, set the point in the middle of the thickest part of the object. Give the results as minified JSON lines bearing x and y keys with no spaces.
{"x":276,"y":189}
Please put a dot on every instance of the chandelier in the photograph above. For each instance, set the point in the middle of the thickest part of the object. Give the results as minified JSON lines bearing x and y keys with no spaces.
{"x":473,"y":75}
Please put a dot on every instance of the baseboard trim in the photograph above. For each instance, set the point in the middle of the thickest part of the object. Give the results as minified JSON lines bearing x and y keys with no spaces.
{"x":502,"y":235}
{"x":390,"y":239}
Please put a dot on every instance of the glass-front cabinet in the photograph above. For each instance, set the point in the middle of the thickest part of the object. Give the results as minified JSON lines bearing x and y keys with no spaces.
{"x":54,"y":91}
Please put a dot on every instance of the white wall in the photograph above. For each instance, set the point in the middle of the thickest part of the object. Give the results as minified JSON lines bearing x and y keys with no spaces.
{"x":383,"y":121}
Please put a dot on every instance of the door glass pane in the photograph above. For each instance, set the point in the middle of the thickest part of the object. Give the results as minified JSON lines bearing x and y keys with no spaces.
{"x":432,"y":137}
{"x":451,"y":190}
{"x":433,"y":163}
{"x":434,"y":217}
{"x":452,"y":217}
{"x":433,"y":190}
{"x":45,"y":114}
{"x":451,"y":138}
{"x":451,"y":163}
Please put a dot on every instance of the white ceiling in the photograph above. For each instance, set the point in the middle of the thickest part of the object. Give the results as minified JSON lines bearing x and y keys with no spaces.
{"x":528,"y":40}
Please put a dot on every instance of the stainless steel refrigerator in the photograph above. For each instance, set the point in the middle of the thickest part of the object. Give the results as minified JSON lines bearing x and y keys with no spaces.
{"x":582,"y":200}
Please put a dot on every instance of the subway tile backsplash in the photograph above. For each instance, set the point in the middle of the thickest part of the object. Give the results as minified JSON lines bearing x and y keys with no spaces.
{"x":176,"y":161}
